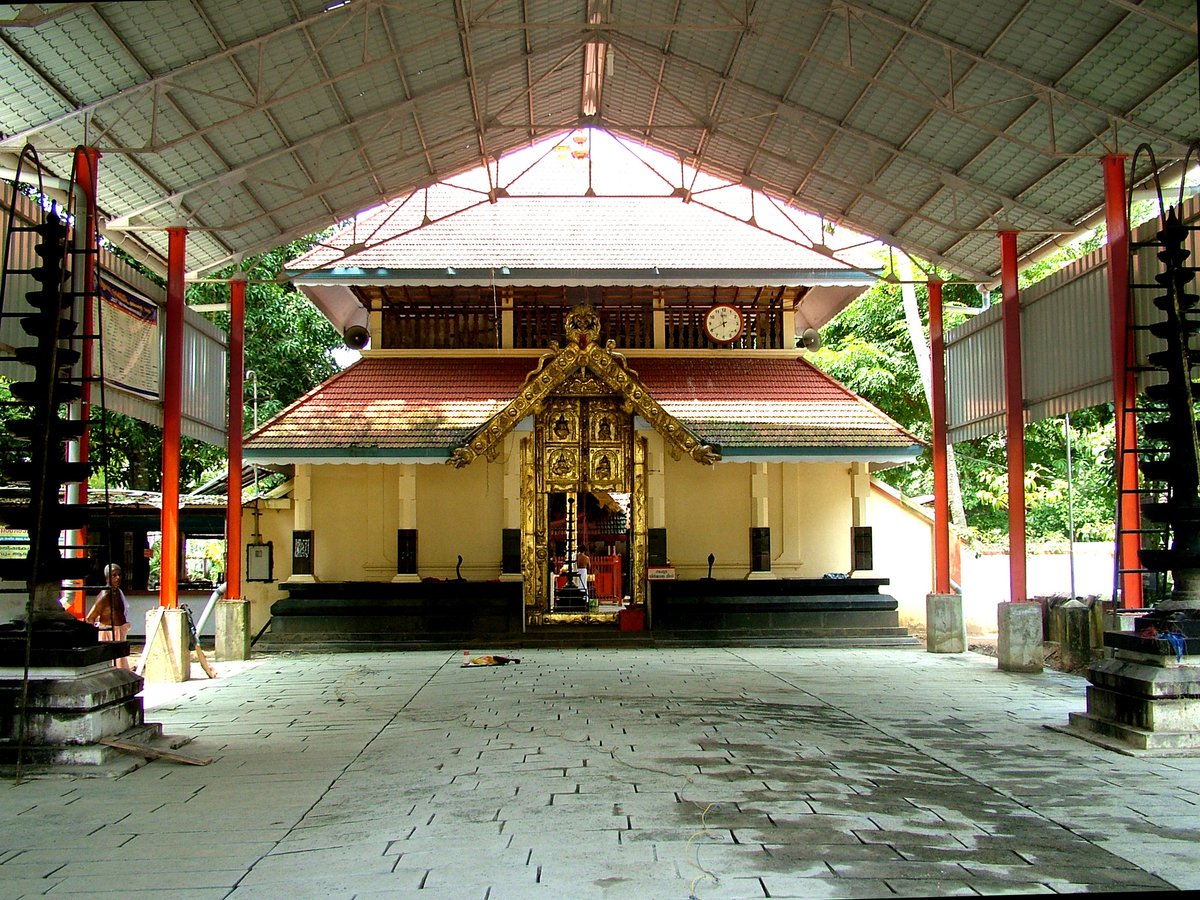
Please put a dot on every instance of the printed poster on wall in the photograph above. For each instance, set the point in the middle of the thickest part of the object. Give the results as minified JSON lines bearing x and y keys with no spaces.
{"x":129,"y":337}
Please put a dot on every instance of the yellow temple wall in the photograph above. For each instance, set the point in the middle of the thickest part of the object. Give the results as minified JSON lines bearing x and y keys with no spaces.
{"x":707,"y":511}
{"x":460,"y":511}
{"x":275,"y":522}
{"x":710,"y":509}
{"x":355,"y":511}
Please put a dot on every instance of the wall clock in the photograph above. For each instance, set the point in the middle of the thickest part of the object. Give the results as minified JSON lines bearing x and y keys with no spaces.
{"x":723,"y":323}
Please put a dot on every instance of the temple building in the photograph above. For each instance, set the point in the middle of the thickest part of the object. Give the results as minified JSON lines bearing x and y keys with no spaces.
{"x":608,"y":363}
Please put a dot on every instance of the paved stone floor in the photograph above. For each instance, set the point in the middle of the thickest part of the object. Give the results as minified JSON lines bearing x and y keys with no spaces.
{"x":703,"y":773}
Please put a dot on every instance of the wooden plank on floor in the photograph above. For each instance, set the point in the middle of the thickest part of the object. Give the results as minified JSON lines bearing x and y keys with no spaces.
{"x":153,"y":752}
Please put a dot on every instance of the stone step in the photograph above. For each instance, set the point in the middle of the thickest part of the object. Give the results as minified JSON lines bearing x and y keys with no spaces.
{"x":87,"y":760}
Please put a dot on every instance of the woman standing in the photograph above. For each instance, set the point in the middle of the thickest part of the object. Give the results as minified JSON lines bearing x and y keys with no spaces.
{"x":110,"y":613}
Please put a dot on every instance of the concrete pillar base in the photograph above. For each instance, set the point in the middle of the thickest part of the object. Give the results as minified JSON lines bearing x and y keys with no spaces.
{"x":511,"y":576}
{"x":166,"y":658}
{"x":232,"y":625}
{"x":1076,"y":634}
{"x":301,"y":579}
{"x":945,"y":627}
{"x":406,"y":578}
{"x":1019,"y":638}
{"x":762,"y":576}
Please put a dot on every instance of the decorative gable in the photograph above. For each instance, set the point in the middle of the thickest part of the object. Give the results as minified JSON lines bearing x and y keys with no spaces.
{"x":582,"y":357}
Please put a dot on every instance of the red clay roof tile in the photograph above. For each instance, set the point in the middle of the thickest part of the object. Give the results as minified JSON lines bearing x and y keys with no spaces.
{"x":433,"y":403}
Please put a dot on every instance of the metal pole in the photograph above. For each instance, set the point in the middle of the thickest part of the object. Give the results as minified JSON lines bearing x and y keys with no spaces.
{"x":941,"y":479}
{"x":233,"y":508}
{"x":1070,"y":505}
{"x":1014,"y":415}
{"x":1129,"y":582}
{"x":168,"y":589}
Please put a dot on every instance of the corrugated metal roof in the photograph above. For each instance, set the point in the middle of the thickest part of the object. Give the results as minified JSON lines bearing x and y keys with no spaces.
{"x":929,"y":125}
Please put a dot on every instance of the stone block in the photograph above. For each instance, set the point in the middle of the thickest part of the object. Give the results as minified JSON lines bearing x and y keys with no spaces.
{"x":1075,"y":633}
{"x":945,"y":627}
{"x":65,"y":715}
{"x":1019,"y":637}
{"x":232,"y":625}
{"x":166,"y":657}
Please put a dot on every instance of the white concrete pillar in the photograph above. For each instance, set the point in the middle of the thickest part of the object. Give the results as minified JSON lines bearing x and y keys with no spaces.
{"x":786,"y":545}
{"x":302,"y":519}
{"x":760,"y":509}
{"x":659,"y":317}
{"x":656,"y":480}
{"x":511,"y":519}
{"x":512,"y":480}
{"x":507,"y":322}
{"x":406,"y":513}
{"x":760,"y":503}
{"x":375,"y":324}
{"x":860,"y":494}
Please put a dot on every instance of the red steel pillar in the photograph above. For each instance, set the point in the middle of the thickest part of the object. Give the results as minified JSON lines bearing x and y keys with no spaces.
{"x":87,"y":161}
{"x":172,"y":402}
{"x":237,"y":368}
{"x":1014,"y":404}
{"x":941,"y":475}
{"x":1124,"y":387}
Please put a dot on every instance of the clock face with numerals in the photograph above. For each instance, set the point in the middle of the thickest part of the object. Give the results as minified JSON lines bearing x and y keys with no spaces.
{"x":723,"y":323}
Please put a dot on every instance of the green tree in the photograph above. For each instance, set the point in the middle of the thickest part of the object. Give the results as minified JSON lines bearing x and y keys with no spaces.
{"x":868,"y":349}
{"x":289,"y":343}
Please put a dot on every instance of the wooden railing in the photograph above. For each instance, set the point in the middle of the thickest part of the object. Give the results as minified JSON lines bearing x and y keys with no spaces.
{"x":437,"y":326}
{"x":629,"y":324}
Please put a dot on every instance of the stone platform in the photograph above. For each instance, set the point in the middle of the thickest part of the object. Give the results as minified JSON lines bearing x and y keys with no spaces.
{"x":813,"y":612}
{"x":72,"y":697}
{"x":1143,"y":699}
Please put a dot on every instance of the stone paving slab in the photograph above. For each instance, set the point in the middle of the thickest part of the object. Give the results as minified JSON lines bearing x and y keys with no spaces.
{"x":690,"y":773}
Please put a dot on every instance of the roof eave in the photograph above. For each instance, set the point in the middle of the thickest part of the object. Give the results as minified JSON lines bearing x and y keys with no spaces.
{"x":584,"y":277}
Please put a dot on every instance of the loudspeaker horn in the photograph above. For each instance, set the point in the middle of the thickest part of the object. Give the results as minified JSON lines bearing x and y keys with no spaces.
{"x":356,"y":336}
{"x":810,"y":339}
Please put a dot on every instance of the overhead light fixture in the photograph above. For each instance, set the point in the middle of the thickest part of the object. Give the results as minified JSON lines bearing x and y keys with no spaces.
{"x":504,"y":270}
{"x":450,"y":271}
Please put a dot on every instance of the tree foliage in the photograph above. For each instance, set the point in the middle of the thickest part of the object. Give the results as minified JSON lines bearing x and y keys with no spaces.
{"x":867,"y":348}
{"x":288,"y":345}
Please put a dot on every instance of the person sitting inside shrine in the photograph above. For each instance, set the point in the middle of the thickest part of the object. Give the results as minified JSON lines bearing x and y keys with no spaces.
{"x":110,"y":612}
{"x":583,"y":562}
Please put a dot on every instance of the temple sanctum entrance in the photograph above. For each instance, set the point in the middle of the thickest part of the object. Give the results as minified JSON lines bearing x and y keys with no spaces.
{"x":584,"y":499}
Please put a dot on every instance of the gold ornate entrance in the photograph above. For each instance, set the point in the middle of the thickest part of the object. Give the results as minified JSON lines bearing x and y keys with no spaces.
{"x":583,"y":398}
{"x":583,"y":442}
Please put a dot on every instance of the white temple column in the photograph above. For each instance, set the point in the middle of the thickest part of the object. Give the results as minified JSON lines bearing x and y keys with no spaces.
{"x":406,"y":514}
{"x":659,"y":316}
{"x":786,"y":544}
{"x":860,"y":516}
{"x":507,"y":321}
{"x":656,"y":480}
{"x":511,"y":520}
{"x":760,"y":508}
{"x":860,"y":494}
{"x":302,"y":520}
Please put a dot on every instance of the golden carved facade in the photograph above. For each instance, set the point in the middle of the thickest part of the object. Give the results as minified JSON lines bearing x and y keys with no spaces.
{"x":583,"y":398}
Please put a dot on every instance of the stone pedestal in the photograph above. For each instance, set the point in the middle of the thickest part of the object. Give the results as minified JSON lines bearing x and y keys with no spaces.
{"x":232,"y":625}
{"x":1075,"y":637}
{"x":166,"y":657}
{"x":945,"y":627}
{"x":75,"y":697}
{"x":1019,"y":637}
{"x":1144,"y":698}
